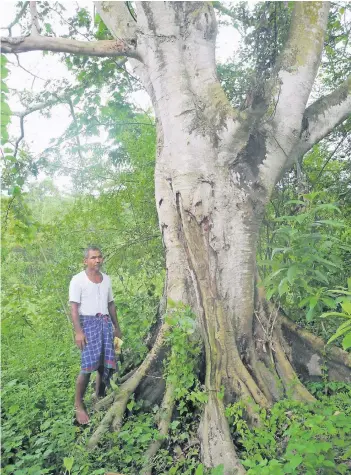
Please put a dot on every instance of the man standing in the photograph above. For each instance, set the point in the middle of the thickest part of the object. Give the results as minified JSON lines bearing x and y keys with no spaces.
{"x":95,"y":323}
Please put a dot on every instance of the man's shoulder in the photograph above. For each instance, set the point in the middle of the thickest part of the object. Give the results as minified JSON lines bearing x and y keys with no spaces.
{"x":106,"y":277}
{"x":78,"y":277}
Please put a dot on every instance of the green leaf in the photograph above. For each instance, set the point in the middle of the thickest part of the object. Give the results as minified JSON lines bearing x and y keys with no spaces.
{"x":340,"y":332}
{"x":325,"y":261}
{"x":321,"y":277}
{"x":346,"y":306}
{"x":114,"y":386}
{"x":68,"y":463}
{"x":328,"y":206}
{"x":294,"y":462}
{"x":346,"y":342}
{"x":219,"y":470}
{"x":330,"y":222}
{"x":335,"y":314}
{"x":292,"y":271}
{"x":200,"y":470}
{"x":309,"y":314}
{"x":283,"y":287}
{"x":295,"y":202}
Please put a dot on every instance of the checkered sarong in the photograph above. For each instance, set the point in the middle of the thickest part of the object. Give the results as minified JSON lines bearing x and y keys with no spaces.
{"x":99,"y":351}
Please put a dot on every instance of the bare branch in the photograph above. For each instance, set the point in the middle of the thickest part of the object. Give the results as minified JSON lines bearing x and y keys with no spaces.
{"x":20,"y":138}
{"x":102,"y":48}
{"x":321,"y":117}
{"x":329,"y":158}
{"x":69,"y":23}
{"x":35,"y":30}
{"x":17,"y":18}
{"x":40,"y":106}
{"x":27,"y":70}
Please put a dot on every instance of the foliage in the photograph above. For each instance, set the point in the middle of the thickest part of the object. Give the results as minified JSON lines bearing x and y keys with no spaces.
{"x":308,"y":254}
{"x":297,"y":438}
{"x":5,"y":109}
{"x":343,"y":299}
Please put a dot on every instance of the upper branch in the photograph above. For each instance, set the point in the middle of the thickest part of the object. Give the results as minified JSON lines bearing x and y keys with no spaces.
{"x":35,"y":20}
{"x":64,"y":45}
{"x":321,"y":117}
{"x":17,"y":19}
{"x":222,"y":9}
{"x":297,"y":66}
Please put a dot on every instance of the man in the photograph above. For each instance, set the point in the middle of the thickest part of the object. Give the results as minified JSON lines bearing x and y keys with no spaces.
{"x":95,"y":323}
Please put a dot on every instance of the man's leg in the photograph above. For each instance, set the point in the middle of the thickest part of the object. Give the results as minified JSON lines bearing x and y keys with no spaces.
{"x":99,"y":384}
{"x":81,"y":386}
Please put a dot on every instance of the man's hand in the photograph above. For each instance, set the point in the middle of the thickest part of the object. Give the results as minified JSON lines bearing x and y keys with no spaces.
{"x":117,"y":333}
{"x":81,"y":340}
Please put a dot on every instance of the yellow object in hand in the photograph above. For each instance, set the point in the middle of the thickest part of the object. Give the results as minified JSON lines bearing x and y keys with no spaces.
{"x":117,"y":342}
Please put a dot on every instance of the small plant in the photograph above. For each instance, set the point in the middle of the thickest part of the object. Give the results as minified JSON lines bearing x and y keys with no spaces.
{"x":342,"y":298}
{"x":306,"y":254}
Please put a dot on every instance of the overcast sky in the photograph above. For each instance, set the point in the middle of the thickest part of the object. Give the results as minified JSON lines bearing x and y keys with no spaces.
{"x":40,"y":130}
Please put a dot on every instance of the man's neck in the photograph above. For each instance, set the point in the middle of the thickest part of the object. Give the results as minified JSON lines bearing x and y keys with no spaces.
{"x":93,"y":273}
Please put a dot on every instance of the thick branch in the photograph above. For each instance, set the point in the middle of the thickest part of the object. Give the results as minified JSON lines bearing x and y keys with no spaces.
{"x":35,"y":31}
{"x":323,"y":116}
{"x":298,"y":64}
{"x":102,"y":48}
{"x":118,"y":20}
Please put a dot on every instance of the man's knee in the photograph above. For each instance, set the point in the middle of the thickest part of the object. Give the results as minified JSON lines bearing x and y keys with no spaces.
{"x":84,"y":377}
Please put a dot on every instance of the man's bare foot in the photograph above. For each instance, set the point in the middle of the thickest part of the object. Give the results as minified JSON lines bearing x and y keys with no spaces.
{"x":81,"y":415}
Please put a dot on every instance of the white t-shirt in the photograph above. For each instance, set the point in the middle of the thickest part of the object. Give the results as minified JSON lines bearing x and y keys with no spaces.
{"x":92,"y":298}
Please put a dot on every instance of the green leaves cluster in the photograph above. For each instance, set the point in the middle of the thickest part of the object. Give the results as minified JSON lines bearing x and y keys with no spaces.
{"x":182,"y":364}
{"x":342,"y":298}
{"x":307,"y":253}
{"x":5,"y":109}
{"x":295,"y":438}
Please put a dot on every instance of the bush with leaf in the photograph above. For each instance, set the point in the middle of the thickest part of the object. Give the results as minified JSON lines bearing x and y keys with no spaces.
{"x":308,"y":254}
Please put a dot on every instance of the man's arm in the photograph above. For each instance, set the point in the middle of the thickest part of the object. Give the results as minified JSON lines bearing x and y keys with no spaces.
{"x":80,"y":338}
{"x":113,"y":314}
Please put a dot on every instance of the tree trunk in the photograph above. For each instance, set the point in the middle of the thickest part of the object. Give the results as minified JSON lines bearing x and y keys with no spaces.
{"x":215,"y":171}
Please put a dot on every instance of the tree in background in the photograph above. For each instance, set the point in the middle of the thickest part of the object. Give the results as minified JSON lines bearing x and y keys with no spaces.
{"x":216,"y":169}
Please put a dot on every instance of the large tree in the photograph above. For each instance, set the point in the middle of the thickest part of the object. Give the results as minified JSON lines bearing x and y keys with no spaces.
{"x":216,"y":168}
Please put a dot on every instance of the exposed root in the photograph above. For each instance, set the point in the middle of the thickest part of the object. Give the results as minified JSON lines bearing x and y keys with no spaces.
{"x":317,"y":343}
{"x":216,"y":443}
{"x":105,"y":402}
{"x":289,"y":378}
{"x":164,"y":416}
{"x":114,"y":415}
{"x":124,"y":378}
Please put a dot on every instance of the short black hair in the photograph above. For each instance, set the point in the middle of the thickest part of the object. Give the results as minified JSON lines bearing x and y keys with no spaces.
{"x":90,"y":248}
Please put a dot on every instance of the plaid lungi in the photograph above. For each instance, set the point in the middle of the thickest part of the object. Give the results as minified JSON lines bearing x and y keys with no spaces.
{"x":99,"y":350}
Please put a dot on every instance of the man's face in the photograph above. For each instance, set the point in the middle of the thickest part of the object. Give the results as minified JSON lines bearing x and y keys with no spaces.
{"x":94,"y":260}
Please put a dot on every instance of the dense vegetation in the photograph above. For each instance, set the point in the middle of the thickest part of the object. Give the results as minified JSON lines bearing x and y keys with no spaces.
{"x":304,"y":254}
